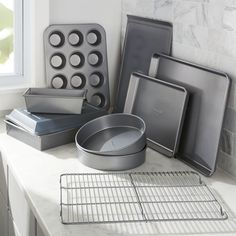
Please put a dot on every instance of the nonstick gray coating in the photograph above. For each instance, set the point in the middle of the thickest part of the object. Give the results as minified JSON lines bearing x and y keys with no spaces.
{"x":114,"y":134}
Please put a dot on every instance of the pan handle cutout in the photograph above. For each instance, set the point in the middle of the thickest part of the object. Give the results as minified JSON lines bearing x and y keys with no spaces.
{"x":154,"y":64}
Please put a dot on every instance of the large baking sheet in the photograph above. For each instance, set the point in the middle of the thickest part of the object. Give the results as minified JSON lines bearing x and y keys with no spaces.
{"x":204,"y":117}
{"x":143,"y":38}
{"x":162,"y":106}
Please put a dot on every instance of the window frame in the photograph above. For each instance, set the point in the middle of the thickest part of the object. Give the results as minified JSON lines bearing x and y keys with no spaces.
{"x":18,"y":78}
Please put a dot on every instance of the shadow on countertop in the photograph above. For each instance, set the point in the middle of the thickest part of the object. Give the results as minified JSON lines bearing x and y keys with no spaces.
{"x":222,"y":227}
{"x":2,"y":125}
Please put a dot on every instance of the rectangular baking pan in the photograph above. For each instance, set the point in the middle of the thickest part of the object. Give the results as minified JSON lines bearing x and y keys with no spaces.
{"x":162,"y":106}
{"x":43,"y":142}
{"x":60,"y":101}
{"x":143,"y":38}
{"x":205,"y":114}
{"x":41,"y":124}
{"x":50,"y":140}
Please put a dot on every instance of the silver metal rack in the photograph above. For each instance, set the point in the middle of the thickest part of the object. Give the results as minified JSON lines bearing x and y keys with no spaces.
{"x":136,"y":197}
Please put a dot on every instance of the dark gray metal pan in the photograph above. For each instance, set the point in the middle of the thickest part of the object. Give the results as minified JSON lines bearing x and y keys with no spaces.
{"x":114,"y":134}
{"x":57,"y":101}
{"x":162,"y":106}
{"x":42,"y":124}
{"x":143,"y":38}
{"x":54,"y":130}
{"x":76,"y":58}
{"x":43,"y":142}
{"x":204,"y":117}
{"x":112,"y":162}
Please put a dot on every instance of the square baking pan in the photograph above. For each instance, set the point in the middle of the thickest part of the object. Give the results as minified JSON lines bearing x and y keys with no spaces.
{"x":143,"y":38}
{"x":209,"y":91}
{"x":162,"y":106}
{"x":57,"y":101}
{"x":42,"y":124}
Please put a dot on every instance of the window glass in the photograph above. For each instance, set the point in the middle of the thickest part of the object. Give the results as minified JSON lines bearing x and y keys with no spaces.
{"x":7,"y":59}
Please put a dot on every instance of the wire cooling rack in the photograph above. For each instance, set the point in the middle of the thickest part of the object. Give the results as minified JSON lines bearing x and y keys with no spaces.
{"x":136,"y":196}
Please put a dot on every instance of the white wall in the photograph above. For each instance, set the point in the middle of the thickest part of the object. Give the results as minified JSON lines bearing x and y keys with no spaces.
{"x":41,"y":22}
{"x":104,"y":12}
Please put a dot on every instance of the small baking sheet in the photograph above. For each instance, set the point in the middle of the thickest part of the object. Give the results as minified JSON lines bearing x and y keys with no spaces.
{"x":162,"y":106}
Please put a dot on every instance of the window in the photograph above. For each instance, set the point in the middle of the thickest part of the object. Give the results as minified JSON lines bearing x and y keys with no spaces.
{"x":28,"y":20}
{"x":11,"y":42}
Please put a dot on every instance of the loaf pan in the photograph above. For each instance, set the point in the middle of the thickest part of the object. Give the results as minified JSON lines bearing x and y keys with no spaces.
{"x":114,"y":134}
{"x":41,"y":124}
{"x":162,"y":106}
{"x":209,"y":91}
{"x":58,"y":101}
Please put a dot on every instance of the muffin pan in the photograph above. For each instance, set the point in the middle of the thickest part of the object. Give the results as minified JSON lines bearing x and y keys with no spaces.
{"x":76,"y":58}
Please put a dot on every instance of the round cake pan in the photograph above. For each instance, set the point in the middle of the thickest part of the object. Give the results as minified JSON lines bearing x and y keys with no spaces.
{"x":114,"y":134}
{"x":111,"y":163}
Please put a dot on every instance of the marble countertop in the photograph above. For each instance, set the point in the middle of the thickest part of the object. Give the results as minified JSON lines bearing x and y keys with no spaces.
{"x":39,"y":173}
{"x":2,"y":126}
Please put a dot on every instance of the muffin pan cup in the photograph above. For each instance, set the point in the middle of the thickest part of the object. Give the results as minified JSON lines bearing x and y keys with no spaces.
{"x":78,"y":49}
